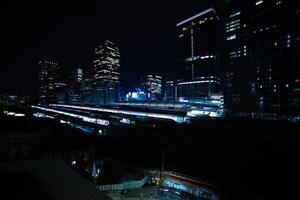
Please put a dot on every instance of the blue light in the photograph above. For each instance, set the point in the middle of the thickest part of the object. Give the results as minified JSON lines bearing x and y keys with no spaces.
{"x":125,"y":121}
{"x":134,"y":95}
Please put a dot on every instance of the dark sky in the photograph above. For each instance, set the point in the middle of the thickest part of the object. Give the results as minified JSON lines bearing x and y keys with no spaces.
{"x":68,"y":32}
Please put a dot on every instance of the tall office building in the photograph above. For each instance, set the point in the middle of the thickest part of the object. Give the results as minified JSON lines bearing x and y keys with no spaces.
{"x":106,"y":73}
{"x":77,"y":75}
{"x":152,"y":86}
{"x":51,"y":89}
{"x":170,"y":91}
{"x":198,"y":57}
{"x":86,"y":90}
{"x":262,"y":48}
{"x":75,"y":85}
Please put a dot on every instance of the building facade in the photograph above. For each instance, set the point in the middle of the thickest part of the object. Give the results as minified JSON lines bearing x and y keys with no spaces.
{"x":198,"y":58}
{"x":262,"y":50}
{"x":193,"y":91}
{"x":75,"y":85}
{"x":106,"y":77}
{"x":152,"y":87}
{"x":51,"y":89}
{"x":170,"y":91}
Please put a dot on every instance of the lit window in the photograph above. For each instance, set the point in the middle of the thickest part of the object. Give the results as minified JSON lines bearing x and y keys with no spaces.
{"x":288,"y":42}
{"x":73,"y":162}
{"x":235,"y":14}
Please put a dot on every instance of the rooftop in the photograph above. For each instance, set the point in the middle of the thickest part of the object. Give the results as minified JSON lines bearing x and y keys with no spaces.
{"x":48,"y":179}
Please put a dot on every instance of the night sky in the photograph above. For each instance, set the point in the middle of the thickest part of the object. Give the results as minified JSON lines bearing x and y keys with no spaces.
{"x":68,"y":32}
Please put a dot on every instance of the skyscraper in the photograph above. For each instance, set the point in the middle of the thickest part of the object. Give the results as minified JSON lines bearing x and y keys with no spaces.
{"x":152,"y":86}
{"x":106,"y":73}
{"x":50,"y":87}
{"x":169,"y":91}
{"x":198,"y":58}
{"x":75,"y":85}
{"x":262,"y":48}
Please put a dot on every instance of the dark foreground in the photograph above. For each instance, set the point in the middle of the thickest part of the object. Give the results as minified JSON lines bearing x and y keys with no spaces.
{"x":248,"y":159}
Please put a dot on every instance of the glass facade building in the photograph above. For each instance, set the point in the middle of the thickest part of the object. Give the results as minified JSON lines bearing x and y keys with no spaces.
{"x":106,"y":73}
{"x":262,"y":51}
{"x":75,"y":84}
{"x":198,"y":89}
{"x":170,"y":91}
{"x":51,"y":89}
{"x":198,"y":59}
{"x":152,"y":86}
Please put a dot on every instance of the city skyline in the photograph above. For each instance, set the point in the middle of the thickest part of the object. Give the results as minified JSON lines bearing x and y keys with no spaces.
{"x":68,"y":33}
{"x":191,"y":100}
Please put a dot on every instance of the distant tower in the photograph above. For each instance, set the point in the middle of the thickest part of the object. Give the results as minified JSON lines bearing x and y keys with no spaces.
{"x":152,"y":86}
{"x":106,"y":73}
{"x":48,"y":82}
{"x":75,"y":85}
{"x":169,"y":91}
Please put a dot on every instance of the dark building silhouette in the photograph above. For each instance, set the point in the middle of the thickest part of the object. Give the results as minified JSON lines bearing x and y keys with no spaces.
{"x":75,"y":85}
{"x":262,"y":51}
{"x":51,"y":89}
{"x":169,"y":91}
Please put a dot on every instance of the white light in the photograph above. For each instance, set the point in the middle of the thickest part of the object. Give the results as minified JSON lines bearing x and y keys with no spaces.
{"x":195,"y":16}
{"x":19,"y":115}
{"x":134,"y":95}
{"x":13,"y":114}
{"x":176,"y":118}
{"x":42,"y":115}
{"x":195,"y":113}
{"x":235,"y":14}
{"x":84,"y":118}
{"x":258,"y":2}
{"x":232,"y":37}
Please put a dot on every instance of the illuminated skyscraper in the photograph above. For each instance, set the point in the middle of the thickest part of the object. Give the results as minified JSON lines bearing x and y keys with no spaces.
{"x":106,"y":73}
{"x":152,"y":86}
{"x":51,"y":90}
{"x":198,"y":59}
